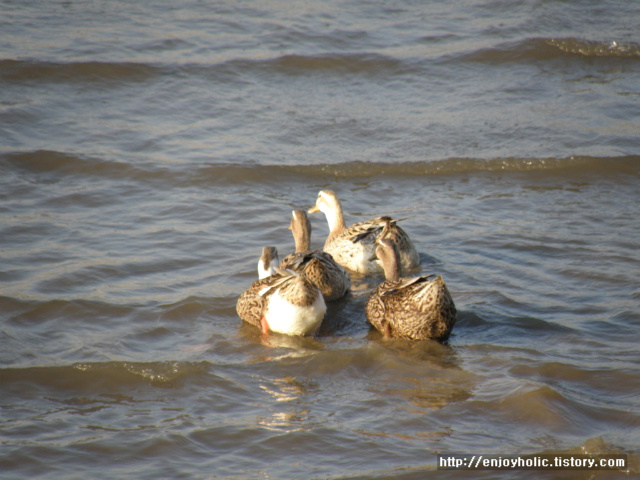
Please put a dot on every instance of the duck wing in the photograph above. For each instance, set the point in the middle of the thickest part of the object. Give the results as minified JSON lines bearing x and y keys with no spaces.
{"x":297,"y":260}
{"x":406,"y":283}
{"x":368,"y":231}
{"x":323,"y":271}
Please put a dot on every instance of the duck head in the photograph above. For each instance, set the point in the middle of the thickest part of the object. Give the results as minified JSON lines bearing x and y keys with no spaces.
{"x":328,"y":203}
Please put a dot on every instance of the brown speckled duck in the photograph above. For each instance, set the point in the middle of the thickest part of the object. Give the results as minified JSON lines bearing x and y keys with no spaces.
{"x":285,"y":302}
{"x":319,"y":267}
{"x":413,"y":308}
{"x":354,"y":247}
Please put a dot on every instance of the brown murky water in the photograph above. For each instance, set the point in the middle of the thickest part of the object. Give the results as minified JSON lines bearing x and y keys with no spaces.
{"x":149,"y":152}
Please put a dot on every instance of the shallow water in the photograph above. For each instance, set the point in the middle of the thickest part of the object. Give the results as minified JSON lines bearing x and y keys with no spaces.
{"x":149,"y":152}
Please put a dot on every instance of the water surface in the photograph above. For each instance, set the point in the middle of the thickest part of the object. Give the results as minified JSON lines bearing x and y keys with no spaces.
{"x":150,"y":151}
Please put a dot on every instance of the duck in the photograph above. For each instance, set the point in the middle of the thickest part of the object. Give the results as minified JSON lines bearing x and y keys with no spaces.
{"x":284,"y":302}
{"x":268,"y":262}
{"x":329,"y":276}
{"x":417,"y":308}
{"x":354,"y":247}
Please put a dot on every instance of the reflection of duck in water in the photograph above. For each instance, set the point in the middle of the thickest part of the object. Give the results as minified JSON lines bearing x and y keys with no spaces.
{"x":413,"y":308}
{"x":319,"y":267}
{"x":285,"y":302}
{"x":354,"y":247}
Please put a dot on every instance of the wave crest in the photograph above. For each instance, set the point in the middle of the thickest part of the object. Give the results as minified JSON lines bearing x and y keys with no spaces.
{"x":545,"y":49}
{"x":109,"y":374}
{"x":58,"y":165}
{"x":20,"y":71}
{"x":595,"y":49}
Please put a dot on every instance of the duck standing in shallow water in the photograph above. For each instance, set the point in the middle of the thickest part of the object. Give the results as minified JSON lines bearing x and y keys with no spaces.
{"x":354,"y":247}
{"x":319,"y":267}
{"x":285,"y":302}
{"x":414,"y":308}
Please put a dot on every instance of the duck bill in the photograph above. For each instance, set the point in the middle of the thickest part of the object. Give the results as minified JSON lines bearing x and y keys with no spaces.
{"x":314,"y":209}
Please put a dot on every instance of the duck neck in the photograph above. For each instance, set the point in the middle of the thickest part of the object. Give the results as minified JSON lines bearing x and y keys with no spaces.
{"x":267,"y":263}
{"x":302,"y":241}
{"x":389,"y":258}
{"x":264,"y":271}
{"x":301,"y":229}
{"x":392,"y":270}
{"x":336,"y":222}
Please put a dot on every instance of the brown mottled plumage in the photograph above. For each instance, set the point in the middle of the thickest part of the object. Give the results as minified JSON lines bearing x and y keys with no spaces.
{"x":354,"y":247}
{"x":414,"y":308}
{"x":285,"y":302}
{"x":319,"y":267}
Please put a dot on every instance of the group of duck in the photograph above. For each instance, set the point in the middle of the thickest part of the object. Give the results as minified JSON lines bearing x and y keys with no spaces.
{"x":290,"y":296}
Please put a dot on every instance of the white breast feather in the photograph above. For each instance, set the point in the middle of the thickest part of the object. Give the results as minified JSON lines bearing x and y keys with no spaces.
{"x":354,"y":256}
{"x":289,"y":319}
{"x":264,"y":272}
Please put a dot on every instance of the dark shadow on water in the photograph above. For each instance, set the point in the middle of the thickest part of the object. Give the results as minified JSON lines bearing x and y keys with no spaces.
{"x":253,"y":336}
{"x":499,"y":329}
{"x":344,"y":316}
{"x":431,"y":351}
{"x":428,"y":262}
{"x":469,"y":319}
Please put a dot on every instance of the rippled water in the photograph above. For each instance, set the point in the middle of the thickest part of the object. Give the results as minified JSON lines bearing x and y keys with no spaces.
{"x":150,"y":151}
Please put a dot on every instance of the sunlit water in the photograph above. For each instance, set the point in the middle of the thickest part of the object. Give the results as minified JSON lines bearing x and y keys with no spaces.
{"x":150,"y":151}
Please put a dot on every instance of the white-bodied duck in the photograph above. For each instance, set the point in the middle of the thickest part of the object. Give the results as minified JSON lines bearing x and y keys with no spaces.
{"x":284,"y":302}
{"x":413,"y":308}
{"x":318,"y":266}
{"x":354,"y":247}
